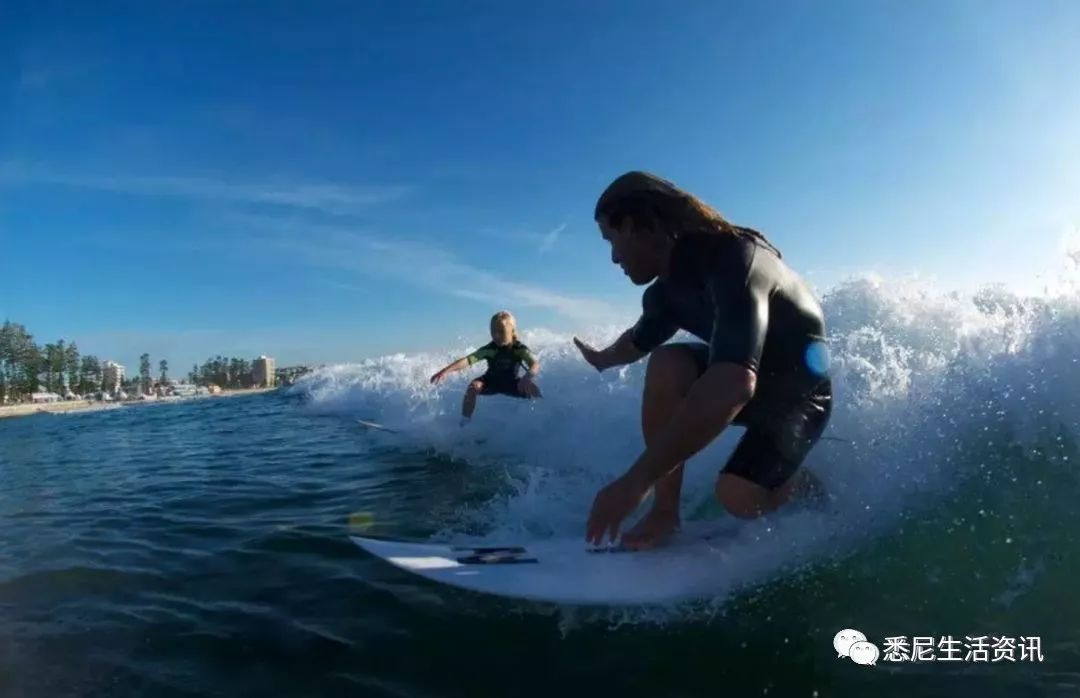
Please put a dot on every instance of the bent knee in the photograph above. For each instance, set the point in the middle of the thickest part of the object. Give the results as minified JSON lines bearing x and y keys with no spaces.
{"x":744,"y":499}
{"x":672,"y":370}
{"x":476,"y":386}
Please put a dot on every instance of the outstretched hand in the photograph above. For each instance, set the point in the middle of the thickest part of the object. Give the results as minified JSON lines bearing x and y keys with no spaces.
{"x":592,"y":356}
{"x":437,"y":378}
{"x":611,"y":507}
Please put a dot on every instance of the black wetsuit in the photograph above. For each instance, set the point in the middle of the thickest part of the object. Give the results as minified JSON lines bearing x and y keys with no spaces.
{"x":501,"y":376}
{"x":753,"y":310}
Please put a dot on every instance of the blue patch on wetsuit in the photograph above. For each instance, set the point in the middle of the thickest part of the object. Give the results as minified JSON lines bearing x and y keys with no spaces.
{"x":817,"y":358}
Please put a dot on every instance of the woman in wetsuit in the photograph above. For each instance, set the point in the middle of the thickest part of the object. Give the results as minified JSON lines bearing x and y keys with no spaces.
{"x":762,"y":363}
{"x":504,"y":355}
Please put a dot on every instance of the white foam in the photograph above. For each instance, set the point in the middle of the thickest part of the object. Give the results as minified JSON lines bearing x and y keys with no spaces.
{"x":916,"y":371}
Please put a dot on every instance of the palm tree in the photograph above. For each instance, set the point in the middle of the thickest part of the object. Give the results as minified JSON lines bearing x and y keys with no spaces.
{"x":163,"y":365}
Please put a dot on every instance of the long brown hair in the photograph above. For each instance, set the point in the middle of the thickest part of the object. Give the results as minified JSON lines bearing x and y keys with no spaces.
{"x":656,"y":203}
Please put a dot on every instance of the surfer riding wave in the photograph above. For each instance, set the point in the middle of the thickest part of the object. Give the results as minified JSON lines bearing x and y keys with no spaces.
{"x":763,"y":365}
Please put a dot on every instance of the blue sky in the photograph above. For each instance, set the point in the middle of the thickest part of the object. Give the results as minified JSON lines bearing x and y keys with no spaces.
{"x":327,"y":181}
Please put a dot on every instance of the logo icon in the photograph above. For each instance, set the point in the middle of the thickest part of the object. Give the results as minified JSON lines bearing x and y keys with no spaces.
{"x":845,"y":639}
{"x":865,"y":653}
{"x":853,"y":645}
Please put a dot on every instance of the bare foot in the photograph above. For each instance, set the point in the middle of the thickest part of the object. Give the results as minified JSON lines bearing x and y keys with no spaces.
{"x":652,"y":530}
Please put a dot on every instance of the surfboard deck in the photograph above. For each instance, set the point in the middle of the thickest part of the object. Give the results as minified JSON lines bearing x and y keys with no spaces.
{"x":566,"y":570}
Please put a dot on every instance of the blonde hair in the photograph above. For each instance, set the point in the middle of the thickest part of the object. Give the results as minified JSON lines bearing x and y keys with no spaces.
{"x":655,"y":203}
{"x":504,"y":316}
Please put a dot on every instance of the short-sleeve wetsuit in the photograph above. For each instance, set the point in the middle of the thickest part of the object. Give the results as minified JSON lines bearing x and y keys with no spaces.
{"x":734,"y":292}
{"x":501,"y":376}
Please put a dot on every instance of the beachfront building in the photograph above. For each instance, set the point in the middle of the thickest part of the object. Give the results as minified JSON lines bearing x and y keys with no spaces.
{"x":114,"y":376}
{"x":262,"y":372}
{"x":43,"y":397}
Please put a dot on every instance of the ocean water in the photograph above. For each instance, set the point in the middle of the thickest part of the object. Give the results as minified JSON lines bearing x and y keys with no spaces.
{"x":201,"y":548}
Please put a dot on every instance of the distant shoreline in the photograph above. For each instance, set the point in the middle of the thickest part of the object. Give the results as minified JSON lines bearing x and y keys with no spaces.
{"x":27,"y":409}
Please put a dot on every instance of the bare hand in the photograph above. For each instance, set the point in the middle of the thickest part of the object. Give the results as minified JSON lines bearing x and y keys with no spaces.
{"x":612,"y":505}
{"x":437,"y":378}
{"x":527,"y":387}
{"x":594,"y":357}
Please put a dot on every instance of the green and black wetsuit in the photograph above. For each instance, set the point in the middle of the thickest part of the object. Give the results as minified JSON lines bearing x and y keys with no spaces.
{"x":735,"y":293}
{"x":501,"y":376}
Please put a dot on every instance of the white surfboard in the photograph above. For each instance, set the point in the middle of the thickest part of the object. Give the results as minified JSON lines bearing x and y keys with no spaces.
{"x":376,"y":426}
{"x":406,"y":430}
{"x":567,"y":571}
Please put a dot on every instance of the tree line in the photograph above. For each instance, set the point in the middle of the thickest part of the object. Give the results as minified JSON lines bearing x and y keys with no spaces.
{"x":27,"y":367}
{"x":229,"y":373}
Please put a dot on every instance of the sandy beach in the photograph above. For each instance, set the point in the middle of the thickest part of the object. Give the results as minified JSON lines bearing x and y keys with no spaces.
{"x":23,"y":410}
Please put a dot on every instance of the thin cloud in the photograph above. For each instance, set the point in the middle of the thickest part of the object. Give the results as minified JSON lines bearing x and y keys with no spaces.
{"x":543,"y":241}
{"x":549,"y":240}
{"x":326,"y":197}
{"x":421,"y":264}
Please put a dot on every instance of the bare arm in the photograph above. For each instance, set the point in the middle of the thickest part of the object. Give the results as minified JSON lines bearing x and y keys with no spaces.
{"x":711,"y":404}
{"x":621,"y":352}
{"x":709,"y":407}
{"x":458,"y":365}
{"x":450,"y":368}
